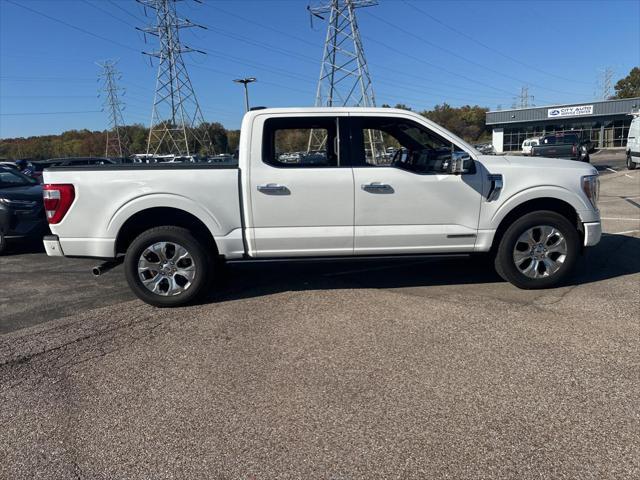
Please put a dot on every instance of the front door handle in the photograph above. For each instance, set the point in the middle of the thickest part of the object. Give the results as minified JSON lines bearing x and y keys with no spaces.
{"x":377,"y":187}
{"x":273,"y":188}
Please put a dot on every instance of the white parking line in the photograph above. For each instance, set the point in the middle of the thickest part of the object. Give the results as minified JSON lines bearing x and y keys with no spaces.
{"x":627,"y":175}
{"x":620,"y":218}
{"x":625,"y":232}
{"x":612,"y":170}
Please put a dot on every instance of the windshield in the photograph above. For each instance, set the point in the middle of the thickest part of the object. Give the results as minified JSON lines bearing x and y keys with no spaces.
{"x":10,"y":178}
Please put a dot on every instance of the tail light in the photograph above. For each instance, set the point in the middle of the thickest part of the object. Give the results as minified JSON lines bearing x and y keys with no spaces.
{"x":574,"y":150}
{"x":57,"y":200}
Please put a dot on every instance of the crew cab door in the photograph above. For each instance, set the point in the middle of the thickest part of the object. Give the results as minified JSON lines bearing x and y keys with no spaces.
{"x":406,"y":199}
{"x":300,"y":187}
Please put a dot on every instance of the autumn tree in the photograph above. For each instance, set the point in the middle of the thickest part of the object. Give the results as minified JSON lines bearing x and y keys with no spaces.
{"x":629,"y":86}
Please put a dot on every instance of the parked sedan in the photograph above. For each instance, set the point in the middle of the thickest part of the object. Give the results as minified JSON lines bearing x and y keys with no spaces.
{"x":22,"y":214}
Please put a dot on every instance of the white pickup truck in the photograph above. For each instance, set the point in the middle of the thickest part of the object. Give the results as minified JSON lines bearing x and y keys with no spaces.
{"x":325,"y":182}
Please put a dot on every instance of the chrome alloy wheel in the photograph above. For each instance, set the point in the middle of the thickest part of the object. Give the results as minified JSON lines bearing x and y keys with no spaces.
{"x":540,"y":251}
{"x":166,"y":268}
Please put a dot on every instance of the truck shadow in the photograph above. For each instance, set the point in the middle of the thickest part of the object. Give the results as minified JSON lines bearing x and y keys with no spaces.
{"x":21,"y":247}
{"x":614,"y":256}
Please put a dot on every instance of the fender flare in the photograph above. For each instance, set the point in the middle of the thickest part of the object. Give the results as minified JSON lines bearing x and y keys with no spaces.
{"x":156,"y":200}
{"x":538,"y":193}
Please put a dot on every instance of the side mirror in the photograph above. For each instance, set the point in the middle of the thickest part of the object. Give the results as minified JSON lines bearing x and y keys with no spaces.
{"x":461,"y":163}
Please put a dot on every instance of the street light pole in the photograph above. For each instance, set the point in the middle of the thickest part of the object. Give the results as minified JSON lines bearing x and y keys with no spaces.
{"x":246,"y":82}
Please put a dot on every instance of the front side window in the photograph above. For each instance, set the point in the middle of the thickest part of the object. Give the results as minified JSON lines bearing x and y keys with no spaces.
{"x":300,"y":142}
{"x":404,"y":144}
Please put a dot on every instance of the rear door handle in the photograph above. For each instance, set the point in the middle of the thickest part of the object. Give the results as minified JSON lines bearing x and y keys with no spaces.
{"x":377,"y":187}
{"x":273,"y":188}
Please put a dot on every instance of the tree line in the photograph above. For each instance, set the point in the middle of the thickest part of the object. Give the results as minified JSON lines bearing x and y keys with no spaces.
{"x":91,"y":143}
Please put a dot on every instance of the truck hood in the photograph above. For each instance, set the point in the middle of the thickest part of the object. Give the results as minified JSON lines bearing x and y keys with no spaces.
{"x":499,"y":162}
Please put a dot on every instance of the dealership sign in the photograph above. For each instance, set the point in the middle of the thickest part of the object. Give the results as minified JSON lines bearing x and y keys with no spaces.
{"x":570,"y":111}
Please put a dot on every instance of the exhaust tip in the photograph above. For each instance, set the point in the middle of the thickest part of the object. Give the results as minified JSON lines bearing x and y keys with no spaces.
{"x":97,"y":271}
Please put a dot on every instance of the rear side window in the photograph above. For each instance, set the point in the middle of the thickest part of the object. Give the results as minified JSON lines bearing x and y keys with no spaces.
{"x":300,"y":142}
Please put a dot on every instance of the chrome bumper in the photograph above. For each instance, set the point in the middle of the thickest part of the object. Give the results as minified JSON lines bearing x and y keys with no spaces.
{"x":592,"y":233}
{"x":52,"y":246}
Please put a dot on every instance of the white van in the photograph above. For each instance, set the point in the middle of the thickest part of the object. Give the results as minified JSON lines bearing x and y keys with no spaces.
{"x":633,"y":143}
{"x":528,"y":144}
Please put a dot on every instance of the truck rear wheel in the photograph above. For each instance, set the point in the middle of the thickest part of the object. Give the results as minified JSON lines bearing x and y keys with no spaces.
{"x":538,"y":250}
{"x":167,"y":266}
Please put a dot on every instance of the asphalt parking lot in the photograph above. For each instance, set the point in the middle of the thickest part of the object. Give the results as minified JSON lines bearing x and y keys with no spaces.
{"x":394,"y":369}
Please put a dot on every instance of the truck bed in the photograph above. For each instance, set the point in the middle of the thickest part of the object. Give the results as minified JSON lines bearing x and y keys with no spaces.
{"x":106,"y":196}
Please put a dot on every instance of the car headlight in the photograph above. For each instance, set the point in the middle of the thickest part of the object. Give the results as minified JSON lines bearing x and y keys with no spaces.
{"x":591,"y":188}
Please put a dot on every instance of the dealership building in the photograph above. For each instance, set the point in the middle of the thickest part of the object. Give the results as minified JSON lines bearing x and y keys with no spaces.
{"x":606,"y":123}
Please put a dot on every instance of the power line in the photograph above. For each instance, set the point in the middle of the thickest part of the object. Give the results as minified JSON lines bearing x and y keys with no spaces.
{"x":107,"y":12}
{"x":37,"y":12}
{"x":47,"y":96}
{"x":46,"y":79}
{"x":309,"y":59}
{"x":138,"y":19}
{"x":454,"y":54}
{"x":284,"y":51}
{"x":50,"y":113}
{"x":488,"y":47}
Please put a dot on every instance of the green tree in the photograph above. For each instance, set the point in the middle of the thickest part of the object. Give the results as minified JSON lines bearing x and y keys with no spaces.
{"x":629,"y":86}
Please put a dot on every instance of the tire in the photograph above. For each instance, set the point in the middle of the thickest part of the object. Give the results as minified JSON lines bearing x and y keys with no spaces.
{"x":3,"y":243}
{"x":587,"y":158}
{"x":631,"y":165}
{"x":176,"y":266}
{"x":554,"y":242}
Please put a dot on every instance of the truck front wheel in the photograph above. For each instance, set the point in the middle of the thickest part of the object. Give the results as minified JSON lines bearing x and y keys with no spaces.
{"x":538,"y":250}
{"x":631,"y":165}
{"x":167,"y":266}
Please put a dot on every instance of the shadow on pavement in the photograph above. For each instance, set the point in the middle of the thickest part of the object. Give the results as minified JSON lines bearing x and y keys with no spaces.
{"x":21,"y":247}
{"x":614,"y":256}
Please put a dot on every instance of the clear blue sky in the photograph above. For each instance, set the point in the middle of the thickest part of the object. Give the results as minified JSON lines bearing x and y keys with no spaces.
{"x":558,"y":48}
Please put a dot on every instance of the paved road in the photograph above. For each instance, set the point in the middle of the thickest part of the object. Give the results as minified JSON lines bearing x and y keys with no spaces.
{"x":421,"y":369}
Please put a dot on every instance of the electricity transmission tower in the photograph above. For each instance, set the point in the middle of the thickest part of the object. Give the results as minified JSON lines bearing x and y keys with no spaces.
{"x":524,"y":100}
{"x":177,"y":124}
{"x":344,"y":74}
{"x":116,"y":145}
{"x":605,"y":83}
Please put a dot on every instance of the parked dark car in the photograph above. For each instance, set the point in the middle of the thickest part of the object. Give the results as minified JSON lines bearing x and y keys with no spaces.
{"x":40,"y":165}
{"x":22,"y":215}
{"x":571,"y":146}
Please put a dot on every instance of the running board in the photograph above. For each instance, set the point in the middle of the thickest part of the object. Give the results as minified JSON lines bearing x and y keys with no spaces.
{"x":351,"y":258}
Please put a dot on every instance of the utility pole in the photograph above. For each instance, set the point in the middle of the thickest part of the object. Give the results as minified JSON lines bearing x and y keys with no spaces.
{"x":524,"y":100}
{"x":246,"y":82}
{"x":177,"y":124}
{"x":344,"y":75}
{"x":116,"y":145}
